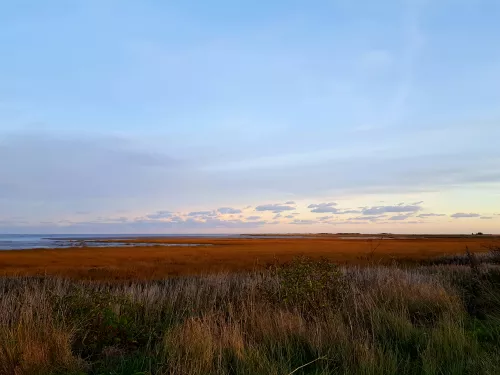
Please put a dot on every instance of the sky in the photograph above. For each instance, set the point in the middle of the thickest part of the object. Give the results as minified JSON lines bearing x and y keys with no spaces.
{"x":121,"y":116}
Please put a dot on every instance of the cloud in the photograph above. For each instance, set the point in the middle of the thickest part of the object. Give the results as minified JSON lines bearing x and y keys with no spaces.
{"x":400,"y":217}
{"x":252,"y":218}
{"x":323,"y":218}
{"x":202,"y":213}
{"x":347,"y":212}
{"x":323,"y":207}
{"x":83,"y":174}
{"x":290,"y":216}
{"x":121,"y":219}
{"x":459,"y":215}
{"x":180,"y":225}
{"x":290,"y":202}
{"x":430,"y":215}
{"x":160,"y":215}
{"x":65,"y":174}
{"x":368,"y":217}
{"x":417,"y":203}
{"x":486,"y":217}
{"x":390,"y":209}
{"x":277,"y":216}
{"x":304,"y":222}
{"x":229,"y":210}
{"x":275,"y":208}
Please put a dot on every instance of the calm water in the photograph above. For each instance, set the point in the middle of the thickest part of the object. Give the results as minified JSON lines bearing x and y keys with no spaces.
{"x":47,"y":241}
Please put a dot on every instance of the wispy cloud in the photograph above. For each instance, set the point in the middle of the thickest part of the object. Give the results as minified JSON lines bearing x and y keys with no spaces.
{"x":460,"y":215}
{"x":323,"y":207}
{"x":202,"y":213}
{"x":160,"y":215}
{"x":323,"y":218}
{"x":275,"y":208}
{"x":229,"y":210}
{"x":371,"y":218}
{"x":430,"y":215}
{"x":400,"y":217}
{"x":253,"y":218}
{"x":304,"y":222}
{"x":390,"y":209}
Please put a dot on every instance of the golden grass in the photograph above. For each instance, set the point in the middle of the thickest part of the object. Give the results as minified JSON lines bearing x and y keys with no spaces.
{"x":388,"y":320}
{"x":222,"y":254}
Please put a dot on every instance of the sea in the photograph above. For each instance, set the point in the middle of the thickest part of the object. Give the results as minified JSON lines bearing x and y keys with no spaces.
{"x":50,"y":241}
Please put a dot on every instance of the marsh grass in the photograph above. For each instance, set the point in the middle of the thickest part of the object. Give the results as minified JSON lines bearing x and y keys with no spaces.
{"x":303,"y":317}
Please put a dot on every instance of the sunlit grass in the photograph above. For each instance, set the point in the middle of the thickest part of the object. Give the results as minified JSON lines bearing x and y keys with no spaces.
{"x":306,"y":316}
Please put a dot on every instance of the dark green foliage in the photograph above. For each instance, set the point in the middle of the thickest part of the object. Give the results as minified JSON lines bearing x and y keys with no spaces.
{"x":130,"y":364}
{"x":308,"y":284}
{"x":103,"y":321}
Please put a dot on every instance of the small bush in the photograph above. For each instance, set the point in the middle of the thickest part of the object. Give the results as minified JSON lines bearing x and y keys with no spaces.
{"x":103,"y":321}
{"x":308,"y":284}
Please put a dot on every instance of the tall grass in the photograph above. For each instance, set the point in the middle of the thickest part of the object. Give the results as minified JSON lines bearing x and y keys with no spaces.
{"x":306,"y":317}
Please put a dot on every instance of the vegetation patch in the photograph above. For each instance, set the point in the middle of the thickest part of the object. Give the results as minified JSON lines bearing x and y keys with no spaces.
{"x":303,"y":317}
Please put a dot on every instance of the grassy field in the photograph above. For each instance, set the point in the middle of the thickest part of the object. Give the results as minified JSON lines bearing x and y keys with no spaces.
{"x":437,"y":316}
{"x":225,"y":255}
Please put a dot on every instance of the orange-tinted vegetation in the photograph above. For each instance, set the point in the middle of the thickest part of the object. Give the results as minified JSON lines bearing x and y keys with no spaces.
{"x":224,"y":254}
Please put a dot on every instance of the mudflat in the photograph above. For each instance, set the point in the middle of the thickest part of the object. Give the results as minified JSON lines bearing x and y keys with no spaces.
{"x":128,"y":261}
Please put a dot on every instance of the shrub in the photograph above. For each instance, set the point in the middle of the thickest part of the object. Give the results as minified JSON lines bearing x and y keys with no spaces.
{"x":307,"y":284}
{"x":103,"y":321}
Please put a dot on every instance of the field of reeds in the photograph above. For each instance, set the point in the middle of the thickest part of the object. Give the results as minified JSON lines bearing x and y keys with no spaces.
{"x":303,"y":317}
{"x":216,"y":255}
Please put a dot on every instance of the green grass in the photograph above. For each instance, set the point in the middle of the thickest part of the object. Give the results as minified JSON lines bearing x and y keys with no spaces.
{"x":307,"y":316}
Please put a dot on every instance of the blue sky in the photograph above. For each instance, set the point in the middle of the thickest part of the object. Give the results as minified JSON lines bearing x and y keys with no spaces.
{"x":249,"y":116}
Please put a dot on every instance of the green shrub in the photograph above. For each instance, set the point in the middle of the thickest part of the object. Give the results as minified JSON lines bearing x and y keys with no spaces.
{"x":309,"y":285}
{"x":103,"y":320}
